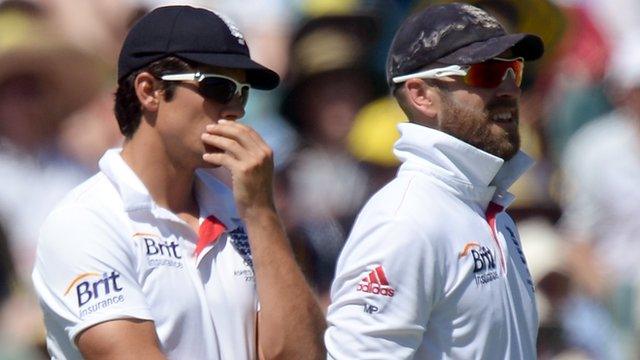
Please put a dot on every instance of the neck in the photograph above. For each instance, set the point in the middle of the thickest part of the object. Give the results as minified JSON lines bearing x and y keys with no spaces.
{"x":170,"y":183}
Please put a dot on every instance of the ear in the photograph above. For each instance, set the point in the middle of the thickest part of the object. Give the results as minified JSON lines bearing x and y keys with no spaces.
{"x":423,"y":98}
{"x":148,"y":92}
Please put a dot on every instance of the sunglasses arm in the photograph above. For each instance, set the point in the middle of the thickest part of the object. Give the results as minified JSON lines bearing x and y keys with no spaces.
{"x":181,"y":77}
{"x":453,"y":70}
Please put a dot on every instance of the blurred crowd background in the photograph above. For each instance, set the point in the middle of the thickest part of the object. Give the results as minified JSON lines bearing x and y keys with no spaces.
{"x":332,"y":125}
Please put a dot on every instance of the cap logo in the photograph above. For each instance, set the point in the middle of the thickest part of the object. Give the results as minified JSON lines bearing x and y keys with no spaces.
{"x":480,"y":17}
{"x":232,"y":27}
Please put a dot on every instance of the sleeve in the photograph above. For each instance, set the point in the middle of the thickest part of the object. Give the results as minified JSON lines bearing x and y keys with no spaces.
{"x":383,"y":293}
{"x":85,"y":273}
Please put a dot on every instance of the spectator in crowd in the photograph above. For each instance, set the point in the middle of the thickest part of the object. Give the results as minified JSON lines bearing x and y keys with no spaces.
{"x":371,"y":140}
{"x":43,"y":79}
{"x":13,"y":346}
{"x":329,"y":83}
{"x":570,"y":322}
{"x":573,"y":88}
{"x":601,"y":169}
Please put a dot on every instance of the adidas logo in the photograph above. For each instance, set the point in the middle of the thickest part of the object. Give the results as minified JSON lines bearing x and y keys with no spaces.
{"x":376,"y":283}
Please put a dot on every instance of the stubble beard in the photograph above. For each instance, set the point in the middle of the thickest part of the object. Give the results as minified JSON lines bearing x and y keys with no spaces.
{"x":474,"y":127}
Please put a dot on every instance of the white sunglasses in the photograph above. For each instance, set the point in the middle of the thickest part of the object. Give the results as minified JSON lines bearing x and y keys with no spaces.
{"x":214,"y":87}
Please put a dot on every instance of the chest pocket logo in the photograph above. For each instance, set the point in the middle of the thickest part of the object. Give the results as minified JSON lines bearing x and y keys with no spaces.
{"x":160,"y":252}
{"x":484,"y":262}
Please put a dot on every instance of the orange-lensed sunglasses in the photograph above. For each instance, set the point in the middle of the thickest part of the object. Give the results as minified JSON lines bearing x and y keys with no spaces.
{"x":488,"y":74}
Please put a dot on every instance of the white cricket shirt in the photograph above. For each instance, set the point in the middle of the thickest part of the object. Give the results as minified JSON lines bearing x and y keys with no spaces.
{"x":432,"y":268}
{"x":109,"y":252}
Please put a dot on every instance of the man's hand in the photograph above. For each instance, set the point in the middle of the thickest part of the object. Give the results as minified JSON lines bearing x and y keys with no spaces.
{"x":248,"y":158}
{"x":290,"y":322}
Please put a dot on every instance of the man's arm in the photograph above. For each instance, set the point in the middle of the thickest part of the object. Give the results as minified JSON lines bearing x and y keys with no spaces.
{"x":76,"y":245}
{"x":385,"y":286}
{"x":120,"y":339}
{"x":290,"y":323}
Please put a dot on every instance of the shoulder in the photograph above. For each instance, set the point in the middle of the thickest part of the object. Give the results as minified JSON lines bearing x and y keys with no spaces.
{"x":89,"y":211}
{"x":414,"y":200}
{"x":94,"y":201}
{"x":95,"y":192}
{"x":405,"y":216}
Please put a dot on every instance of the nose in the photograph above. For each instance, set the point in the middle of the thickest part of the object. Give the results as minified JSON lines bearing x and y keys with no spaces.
{"x":508,"y":87}
{"x":234,"y":110}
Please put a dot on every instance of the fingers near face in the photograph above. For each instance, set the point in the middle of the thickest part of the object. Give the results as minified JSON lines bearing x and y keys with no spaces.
{"x":236,"y":140}
{"x":233,"y":130}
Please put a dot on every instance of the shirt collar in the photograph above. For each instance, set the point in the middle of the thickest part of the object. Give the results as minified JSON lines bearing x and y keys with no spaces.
{"x":134,"y":194}
{"x":483,"y":176}
{"x":214,"y":197}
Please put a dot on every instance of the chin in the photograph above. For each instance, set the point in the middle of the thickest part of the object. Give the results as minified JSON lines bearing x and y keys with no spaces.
{"x":504,"y":148}
{"x":506,"y":145}
{"x":509,"y":155}
{"x":506,"y":151}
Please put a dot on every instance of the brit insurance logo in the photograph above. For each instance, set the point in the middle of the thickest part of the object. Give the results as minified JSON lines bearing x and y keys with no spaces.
{"x":95,"y":291}
{"x":484,"y":262}
{"x":160,"y":252}
{"x":376,"y":283}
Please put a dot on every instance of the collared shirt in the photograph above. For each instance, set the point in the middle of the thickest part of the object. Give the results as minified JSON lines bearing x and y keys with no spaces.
{"x":433,"y":269}
{"x":108,"y":251}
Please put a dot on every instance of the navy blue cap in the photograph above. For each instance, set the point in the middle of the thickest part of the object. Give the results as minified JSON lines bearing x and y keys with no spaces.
{"x":193,"y":34}
{"x":454,"y":34}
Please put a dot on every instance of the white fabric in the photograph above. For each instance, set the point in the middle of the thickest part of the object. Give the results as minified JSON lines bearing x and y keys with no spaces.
{"x":602,"y":172}
{"x":109,"y":252}
{"x":427,"y":231}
